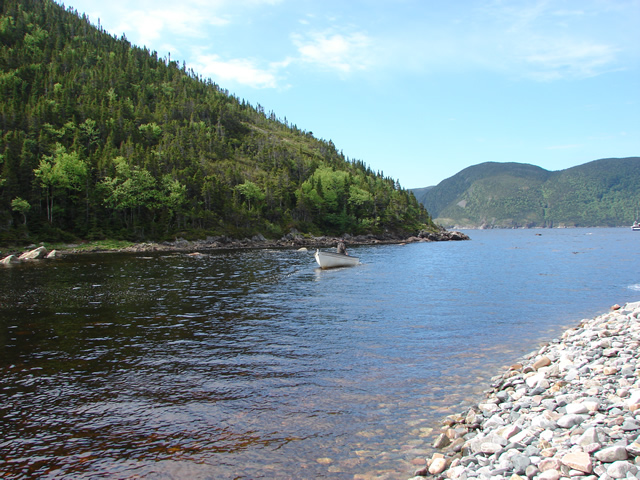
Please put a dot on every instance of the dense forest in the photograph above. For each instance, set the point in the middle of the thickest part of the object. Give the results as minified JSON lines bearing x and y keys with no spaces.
{"x":601,"y":193}
{"x":100,"y":138}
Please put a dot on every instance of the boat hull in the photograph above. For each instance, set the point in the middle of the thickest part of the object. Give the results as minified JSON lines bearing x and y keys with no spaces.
{"x":334,"y":260}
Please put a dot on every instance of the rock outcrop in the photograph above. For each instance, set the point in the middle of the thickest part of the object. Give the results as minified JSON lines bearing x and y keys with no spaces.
{"x":34,"y":254}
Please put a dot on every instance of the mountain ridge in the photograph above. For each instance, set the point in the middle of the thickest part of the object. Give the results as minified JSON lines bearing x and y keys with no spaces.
{"x":603,"y":192}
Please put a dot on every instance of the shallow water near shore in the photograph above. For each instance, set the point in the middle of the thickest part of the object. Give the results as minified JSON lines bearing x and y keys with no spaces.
{"x":255,"y":364}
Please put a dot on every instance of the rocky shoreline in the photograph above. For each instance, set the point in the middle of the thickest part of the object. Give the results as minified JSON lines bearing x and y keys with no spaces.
{"x":569,"y":410}
{"x":291,"y":240}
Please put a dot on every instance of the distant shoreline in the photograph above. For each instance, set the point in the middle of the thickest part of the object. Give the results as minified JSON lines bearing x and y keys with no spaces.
{"x":292,"y":240}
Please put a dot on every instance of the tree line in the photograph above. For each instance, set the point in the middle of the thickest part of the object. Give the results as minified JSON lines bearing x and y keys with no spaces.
{"x":100,"y":138}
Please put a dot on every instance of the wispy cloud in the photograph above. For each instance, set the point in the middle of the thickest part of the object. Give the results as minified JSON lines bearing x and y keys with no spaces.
{"x":243,"y":71}
{"x":540,"y":40}
{"x":329,"y":50}
{"x":545,"y":43}
{"x":535,"y":40}
{"x":570,"y":58}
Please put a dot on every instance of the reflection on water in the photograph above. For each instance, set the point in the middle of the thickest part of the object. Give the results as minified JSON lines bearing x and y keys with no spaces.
{"x":256,"y":364}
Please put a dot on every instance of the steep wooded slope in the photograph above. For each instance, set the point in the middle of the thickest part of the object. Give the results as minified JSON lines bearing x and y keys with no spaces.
{"x":100,"y":138}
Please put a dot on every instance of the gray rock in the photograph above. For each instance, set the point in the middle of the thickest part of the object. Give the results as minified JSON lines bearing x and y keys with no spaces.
{"x":549,"y":475}
{"x":634,"y":449}
{"x":531,"y":471}
{"x":630,"y":425}
{"x":520,"y":463}
{"x":589,"y":436}
{"x":493,"y":422}
{"x":542,"y":422}
{"x":489,"y":448}
{"x":571,"y":420}
{"x":441,"y":441}
{"x":612,"y":454}
{"x":576,"y":409}
{"x":620,"y":469}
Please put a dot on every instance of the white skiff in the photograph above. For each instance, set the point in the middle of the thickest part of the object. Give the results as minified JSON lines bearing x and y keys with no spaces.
{"x":333,"y":260}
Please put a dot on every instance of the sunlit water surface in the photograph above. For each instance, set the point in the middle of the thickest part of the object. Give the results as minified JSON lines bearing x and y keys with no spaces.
{"x":257,"y":365}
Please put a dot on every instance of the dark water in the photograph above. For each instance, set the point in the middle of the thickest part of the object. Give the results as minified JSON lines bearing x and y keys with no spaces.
{"x":254,"y":364}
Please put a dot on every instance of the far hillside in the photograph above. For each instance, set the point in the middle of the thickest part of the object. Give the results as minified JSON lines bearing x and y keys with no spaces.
{"x":601,"y":193}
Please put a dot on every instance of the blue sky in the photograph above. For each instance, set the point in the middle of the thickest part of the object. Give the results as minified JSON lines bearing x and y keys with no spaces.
{"x":417,"y":89}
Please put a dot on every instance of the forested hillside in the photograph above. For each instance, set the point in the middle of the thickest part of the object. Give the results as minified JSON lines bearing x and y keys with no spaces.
{"x":102,"y":139}
{"x":600,"y":193}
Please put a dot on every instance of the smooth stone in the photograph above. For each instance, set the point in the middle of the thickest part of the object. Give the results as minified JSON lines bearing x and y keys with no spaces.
{"x":456,"y":472}
{"x":531,"y":471}
{"x":488,"y":408}
{"x":540,"y":421}
{"x":509,"y":431}
{"x":549,"y":464}
{"x":620,"y":469}
{"x":589,"y":436}
{"x":549,"y":475}
{"x":541,"y":362}
{"x":576,"y":408}
{"x":634,"y":396}
{"x":630,"y":425}
{"x":612,"y":454}
{"x":437,"y":466}
{"x":520,"y":463}
{"x":578,"y":461}
{"x":489,"y":448}
{"x":441,"y":441}
{"x":568,"y":421}
{"x":493,"y":422}
{"x":634,"y":449}
{"x":591,"y":447}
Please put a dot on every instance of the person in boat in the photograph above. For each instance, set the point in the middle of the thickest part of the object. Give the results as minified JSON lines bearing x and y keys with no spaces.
{"x":341,"y":248}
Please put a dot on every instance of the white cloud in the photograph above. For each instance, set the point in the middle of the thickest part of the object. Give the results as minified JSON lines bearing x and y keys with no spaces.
{"x":242,"y":71}
{"x":334,"y":51}
{"x":147,"y":26}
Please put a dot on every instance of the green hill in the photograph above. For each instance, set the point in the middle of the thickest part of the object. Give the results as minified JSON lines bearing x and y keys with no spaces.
{"x":103,"y":139}
{"x":512,"y":195}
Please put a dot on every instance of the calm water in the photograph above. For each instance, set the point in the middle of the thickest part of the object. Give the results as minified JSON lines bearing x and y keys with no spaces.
{"x":254,"y":364}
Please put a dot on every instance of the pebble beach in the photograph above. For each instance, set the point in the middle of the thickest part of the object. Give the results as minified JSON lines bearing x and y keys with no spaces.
{"x":569,"y":410}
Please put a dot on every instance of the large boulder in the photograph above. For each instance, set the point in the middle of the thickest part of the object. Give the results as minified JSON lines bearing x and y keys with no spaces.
{"x":36,"y":253}
{"x":443,"y":236}
{"x":9,"y":259}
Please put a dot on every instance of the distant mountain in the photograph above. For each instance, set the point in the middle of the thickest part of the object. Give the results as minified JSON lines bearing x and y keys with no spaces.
{"x":514,"y":195}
